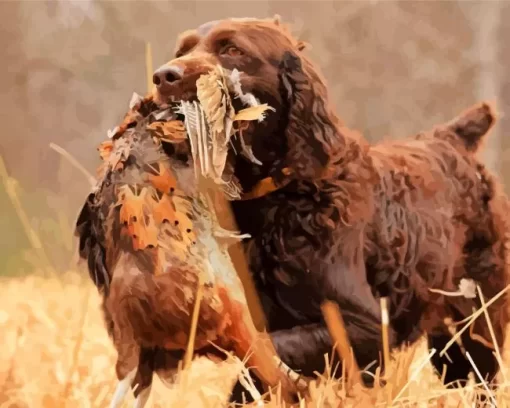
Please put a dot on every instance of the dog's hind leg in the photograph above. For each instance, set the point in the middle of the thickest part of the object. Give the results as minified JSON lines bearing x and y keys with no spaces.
{"x":486,"y":261}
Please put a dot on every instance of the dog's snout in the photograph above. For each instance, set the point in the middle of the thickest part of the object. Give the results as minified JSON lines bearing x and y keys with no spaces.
{"x":176,"y":80}
{"x":166,"y":74}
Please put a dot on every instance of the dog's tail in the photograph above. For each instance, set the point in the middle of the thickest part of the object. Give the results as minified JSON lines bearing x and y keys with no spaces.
{"x":472,"y":125}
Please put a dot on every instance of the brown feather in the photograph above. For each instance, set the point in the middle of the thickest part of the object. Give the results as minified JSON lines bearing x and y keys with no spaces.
{"x":172,"y":131}
{"x":162,"y":178}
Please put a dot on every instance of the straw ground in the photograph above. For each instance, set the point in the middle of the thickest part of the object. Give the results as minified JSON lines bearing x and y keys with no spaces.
{"x":55,"y":353}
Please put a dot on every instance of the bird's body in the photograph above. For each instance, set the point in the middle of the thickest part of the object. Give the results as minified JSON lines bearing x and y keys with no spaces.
{"x":151,"y":236}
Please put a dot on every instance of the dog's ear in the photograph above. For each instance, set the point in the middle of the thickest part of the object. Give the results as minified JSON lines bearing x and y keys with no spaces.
{"x":311,"y":131}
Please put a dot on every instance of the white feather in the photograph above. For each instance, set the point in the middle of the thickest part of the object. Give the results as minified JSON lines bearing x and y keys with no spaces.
{"x":135,"y":98}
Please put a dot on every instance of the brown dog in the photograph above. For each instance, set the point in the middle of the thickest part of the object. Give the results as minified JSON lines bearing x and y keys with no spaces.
{"x":347,"y":221}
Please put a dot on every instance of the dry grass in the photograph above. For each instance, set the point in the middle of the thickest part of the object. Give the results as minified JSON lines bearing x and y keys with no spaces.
{"x":56,"y":353}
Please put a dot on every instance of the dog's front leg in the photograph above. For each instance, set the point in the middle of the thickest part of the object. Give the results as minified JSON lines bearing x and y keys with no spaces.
{"x":305,"y":348}
{"x":308,"y":278}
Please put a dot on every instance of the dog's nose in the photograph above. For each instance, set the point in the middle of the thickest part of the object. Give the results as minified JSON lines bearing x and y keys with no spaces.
{"x":166,"y":75}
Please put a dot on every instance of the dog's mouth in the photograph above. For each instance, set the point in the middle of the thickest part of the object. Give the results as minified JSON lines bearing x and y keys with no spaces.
{"x":217,"y":120}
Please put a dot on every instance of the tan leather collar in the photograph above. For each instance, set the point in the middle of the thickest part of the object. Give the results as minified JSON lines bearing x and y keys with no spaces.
{"x":266,"y":186}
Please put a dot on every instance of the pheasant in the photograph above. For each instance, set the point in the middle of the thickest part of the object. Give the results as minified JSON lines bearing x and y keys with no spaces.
{"x":151,"y":236}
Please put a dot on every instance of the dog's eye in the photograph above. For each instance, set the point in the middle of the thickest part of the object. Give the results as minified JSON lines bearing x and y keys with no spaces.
{"x":231,"y":51}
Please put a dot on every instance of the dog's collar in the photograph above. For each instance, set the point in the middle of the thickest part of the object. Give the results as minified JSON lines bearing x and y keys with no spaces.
{"x":267,"y":185}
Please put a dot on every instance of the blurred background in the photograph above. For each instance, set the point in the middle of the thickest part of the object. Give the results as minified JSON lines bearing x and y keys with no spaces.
{"x":69,"y":68}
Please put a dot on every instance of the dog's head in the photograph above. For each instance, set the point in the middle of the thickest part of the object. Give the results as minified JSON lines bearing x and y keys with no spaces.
{"x":300,"y":132}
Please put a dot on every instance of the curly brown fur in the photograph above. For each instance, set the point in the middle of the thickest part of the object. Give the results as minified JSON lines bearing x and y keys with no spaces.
{"x":357,"y":221}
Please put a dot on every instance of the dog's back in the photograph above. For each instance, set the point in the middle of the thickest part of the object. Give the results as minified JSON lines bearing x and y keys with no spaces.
{"x":440,"y":217}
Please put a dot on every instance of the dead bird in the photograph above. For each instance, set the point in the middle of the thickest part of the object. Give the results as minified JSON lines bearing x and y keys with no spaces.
{"x":151,"y":239}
